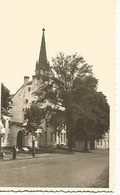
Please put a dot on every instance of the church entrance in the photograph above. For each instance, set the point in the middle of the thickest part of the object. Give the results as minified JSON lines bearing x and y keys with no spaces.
{"x":20,"y":139}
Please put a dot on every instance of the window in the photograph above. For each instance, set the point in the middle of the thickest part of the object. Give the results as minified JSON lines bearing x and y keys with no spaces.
{"x":3,"y":138}
{"x":9,"y":123}
{"x":25,"y":116}
{"x":11,"y":102}
{"x":8,"y":137}
{"x":26,"y":101}
{"x":3,"y":122}
{"x":55,"y":136}
{"x":61,"y":137}
{"x":64,"y":137}
{"x":105,"y":142}
{"x":29,"y":88}
{"x":51,"y":136}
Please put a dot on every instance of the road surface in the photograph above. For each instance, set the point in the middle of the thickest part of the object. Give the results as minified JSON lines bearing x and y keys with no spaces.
{"x":57,"y":170}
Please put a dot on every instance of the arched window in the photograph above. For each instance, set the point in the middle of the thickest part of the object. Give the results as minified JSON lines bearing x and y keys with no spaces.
{"x":61,"y":137}
{"x":64,"y":137}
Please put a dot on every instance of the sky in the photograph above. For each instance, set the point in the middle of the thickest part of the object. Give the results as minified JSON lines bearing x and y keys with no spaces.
{"x":83,"y":26}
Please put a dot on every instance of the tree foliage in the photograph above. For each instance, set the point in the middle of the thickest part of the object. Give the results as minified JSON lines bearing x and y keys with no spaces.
{"x":93,"y":119}
{"x":34,"y":116}
{"x":5,"y":96}
{"x":71,"y":98}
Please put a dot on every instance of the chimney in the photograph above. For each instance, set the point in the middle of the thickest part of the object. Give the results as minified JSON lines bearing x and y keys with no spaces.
{"x":33,"y":78}
{"x":26,"y":79}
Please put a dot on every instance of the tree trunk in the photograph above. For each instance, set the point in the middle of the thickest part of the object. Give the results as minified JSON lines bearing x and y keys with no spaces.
{"x":33,"y":148}
{"x":92,"y":144}
{"x":69,"y":123}
{"x":70,"y":141}
{"x":86,"y":146}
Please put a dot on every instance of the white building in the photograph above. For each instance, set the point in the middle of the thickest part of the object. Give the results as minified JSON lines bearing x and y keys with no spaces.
{"x":5,"y":130}
{"x":103,"y":143}
{"x":22,"y":99}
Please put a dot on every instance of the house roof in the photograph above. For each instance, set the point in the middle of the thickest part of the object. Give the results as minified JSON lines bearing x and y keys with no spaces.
{"x":11,"y":95}
{"x":5,"y":112}
{"x":17,"y":91}
{"x":30,"y":83}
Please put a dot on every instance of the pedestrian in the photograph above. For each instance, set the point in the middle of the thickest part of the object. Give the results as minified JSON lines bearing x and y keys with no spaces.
{"x":14,"y":151}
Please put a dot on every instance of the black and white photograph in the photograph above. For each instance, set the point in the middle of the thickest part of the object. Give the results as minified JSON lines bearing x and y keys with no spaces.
{"x":57,"y":69}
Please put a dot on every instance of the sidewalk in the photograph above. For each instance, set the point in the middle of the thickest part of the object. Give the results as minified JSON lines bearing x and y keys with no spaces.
{"x":28,"y":155}
{"x":20,"y":156}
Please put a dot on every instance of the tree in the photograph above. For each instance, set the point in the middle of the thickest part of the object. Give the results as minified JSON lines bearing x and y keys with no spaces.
{"x":93,"y":118}
{"x":34,"y":117}
{"x":5,"y":96}
{"x":69,"y":80}
{"x":55,"y":119}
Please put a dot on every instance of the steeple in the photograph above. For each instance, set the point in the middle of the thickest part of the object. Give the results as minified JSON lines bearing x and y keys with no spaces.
{"x":42,"y":64}
{"x":43,"y":55}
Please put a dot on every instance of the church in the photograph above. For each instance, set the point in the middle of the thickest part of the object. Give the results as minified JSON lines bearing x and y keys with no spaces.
{"x":14,"y":131}
{"x":22,"y":99}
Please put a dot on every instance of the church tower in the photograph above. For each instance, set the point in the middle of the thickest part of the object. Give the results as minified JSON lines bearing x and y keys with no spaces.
{"x":42,"y":66}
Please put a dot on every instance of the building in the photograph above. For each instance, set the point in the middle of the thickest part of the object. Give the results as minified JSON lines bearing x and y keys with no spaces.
{"x":5,"y":130}
{"x":103,"y":143}
{"x":23,"y":98}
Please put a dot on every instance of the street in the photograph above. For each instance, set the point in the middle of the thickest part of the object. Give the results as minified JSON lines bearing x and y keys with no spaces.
{"x":57,"y":170}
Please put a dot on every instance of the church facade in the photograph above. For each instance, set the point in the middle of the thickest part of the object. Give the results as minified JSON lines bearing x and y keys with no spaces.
{"x":22,"y":99}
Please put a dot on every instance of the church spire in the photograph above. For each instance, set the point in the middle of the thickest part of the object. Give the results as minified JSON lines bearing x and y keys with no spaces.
{"x":42,"y":64}
{"x":43,"y":55}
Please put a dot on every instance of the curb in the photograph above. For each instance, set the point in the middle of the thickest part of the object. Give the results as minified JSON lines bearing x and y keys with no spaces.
{"x":27,"y":157}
